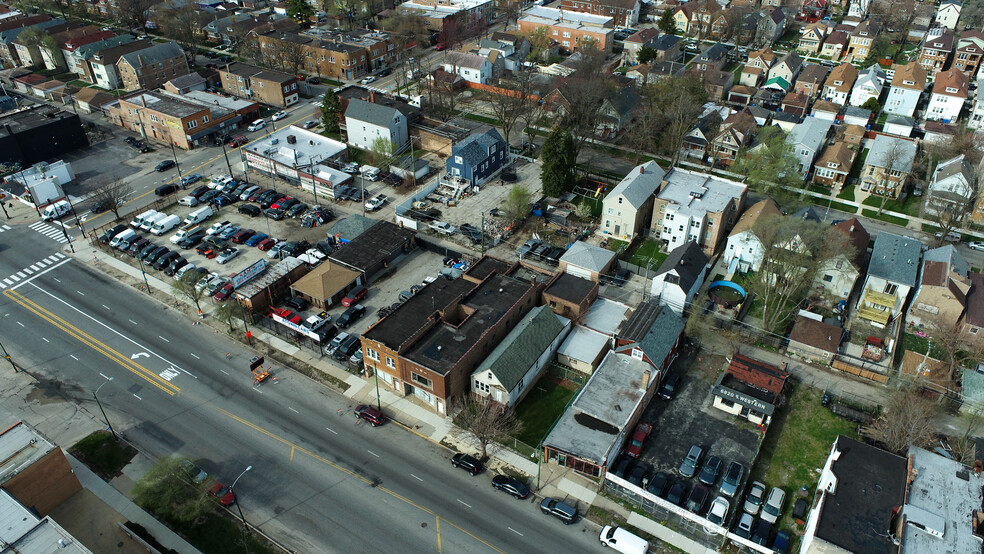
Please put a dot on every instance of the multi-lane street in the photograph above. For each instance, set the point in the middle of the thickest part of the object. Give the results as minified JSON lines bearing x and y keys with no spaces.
{"x":320,"y":481}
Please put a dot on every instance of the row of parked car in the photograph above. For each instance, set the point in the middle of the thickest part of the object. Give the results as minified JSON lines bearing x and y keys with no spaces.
{"x":538,"y":250}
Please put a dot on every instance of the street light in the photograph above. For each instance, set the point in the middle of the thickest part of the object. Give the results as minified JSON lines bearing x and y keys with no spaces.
{"x":98,"y":403}
{"x":232,"y":489}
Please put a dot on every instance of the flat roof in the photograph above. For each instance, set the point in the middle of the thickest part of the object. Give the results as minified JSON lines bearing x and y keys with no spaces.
{"x":442,"y":346}
{"x":369,"y":249}
{"x":699,"y":193}
{"x":571,"y":288}
{"x":435,"y":11}
{"x":565,"y":18}
{"x":590,"y":426}
{"x":167,"y":104}
{"x":211,"y":99}
{"x":269,"y":277}
{"x":21,"y":446}
{"x":310,"y":148}
{"x":396,"y":329}
{"x":25,"y":533}
{"x":487,"y":265}
{"x":944,"y":491}
{"x":605,"y":316}
{"x":583,"y":344}
{"x":29,"y":117}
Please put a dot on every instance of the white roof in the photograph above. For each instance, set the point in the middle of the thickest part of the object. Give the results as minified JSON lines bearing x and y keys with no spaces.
{"x":228,"y":102}
{"x":694,"y":193}
{"x":605,"y":316}
{"x":942,"y":497}
{"x":309,"y":148}
{"x":21,"y":446}
{"x":24,"y":533}
{"x":583,"y":344}
{"x":561,"y":18}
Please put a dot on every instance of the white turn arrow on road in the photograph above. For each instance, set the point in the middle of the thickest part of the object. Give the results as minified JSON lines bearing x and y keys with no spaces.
{"x":139,"y":355}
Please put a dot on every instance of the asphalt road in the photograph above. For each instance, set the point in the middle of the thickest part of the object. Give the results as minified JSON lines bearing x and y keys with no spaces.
{"x":320,"y":481}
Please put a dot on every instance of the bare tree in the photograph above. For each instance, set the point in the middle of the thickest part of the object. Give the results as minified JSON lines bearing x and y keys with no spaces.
{"x":245,"y":43}
{"x":184,"y":24}
{"x":585,"y":93}
{"x":899,"y":15}
{"x":291,"y":54}
{"x":113,"y":195}
{"x":907,"y":420}
{"x":513,"y":98}
{"x":133,"y":13}
{"x":486,"y":422}
{"x":226,"y":312}
{"x":892,"y":180}
{"x":443,"y":92}
{"x":186,"y":287}
{"x":509,"y":10}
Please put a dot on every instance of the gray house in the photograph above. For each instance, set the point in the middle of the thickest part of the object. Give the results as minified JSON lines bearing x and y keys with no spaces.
{"x":366,"y":123}
{"x":587,"y":261}
{"x":771,"y":26}
{"x":808,"y":139}
{"x":628,"y":208}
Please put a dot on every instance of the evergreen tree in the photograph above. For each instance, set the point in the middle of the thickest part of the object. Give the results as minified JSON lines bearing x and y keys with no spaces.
{"x":330,"y":108}
{"x":557,"y":174}
{"x":666,"y":23}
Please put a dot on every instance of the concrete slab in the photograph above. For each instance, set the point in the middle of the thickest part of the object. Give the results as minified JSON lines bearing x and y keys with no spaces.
{"x":94,"y":523}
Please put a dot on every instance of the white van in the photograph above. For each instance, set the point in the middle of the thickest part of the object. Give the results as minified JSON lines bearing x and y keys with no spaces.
{"x":184,"y":232}
{"x":139,"y":220}
{"x":123,"y":238}
{"x":622,"y":541}
{"x":370,"y":172}
{"x":56,"y":210}
{"x":256,"y":125}
{"x":199,"y":215}
{"x":165,"y":225}
{"x":219,"y":181}
{"x":150,"y":221}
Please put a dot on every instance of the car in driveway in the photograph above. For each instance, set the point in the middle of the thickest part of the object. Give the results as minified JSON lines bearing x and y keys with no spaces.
{"x":709,"y":473}
{"x":670,"y":385}
{"x":223,"y":493}
{"x":559,"y":509}
{"x":370,"y":414}
{"x":754,"y":498}
{"x":164,"y":165}
{"x":227,"y":255}
{"x":772,"y":507}
{"x":279,"y":115}
{"x":467,"y":463}
{"x":634,"y":447}
{"x":732,"y":478}
{"x":689,"y":466}
{"x":511,"y":485}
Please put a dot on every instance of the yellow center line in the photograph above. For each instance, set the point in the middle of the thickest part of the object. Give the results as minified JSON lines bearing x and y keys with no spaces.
{"x":91,"y":342}
{"x":351,"y":474}
{"x":437,"y":521}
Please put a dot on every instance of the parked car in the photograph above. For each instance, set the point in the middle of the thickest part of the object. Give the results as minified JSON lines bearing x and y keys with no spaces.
{"x":976,"y":245}
{"x":677,"y":493}
{"x":367,"y":80}
{"x":718,"y":511}
{"x":467,"y":463}
{"x":297,"y":209}
{"x":754,"y":498}
{"x":669,"y":387}
{"x":190,"y":179}
{"x":226,"y":233}
{"x":225,"y":495}
{"x":350,"y":316}
{"x":442,"y":227}
{"x":689,"y":466}
{"x":370,"y":414}
{"x":762,"y":532}
{"x":659,"y":483}
{"x":310,"y":124}
{"x":266,"y":244}
{"x":255,"y":239}
{"x":375,"y":202}
{"x":279,"y":115}
{"x":164,"y":165}
{"x":642,"y":431}
{"x":732,"y":478}
{"x":275,"y":214}
{"x":559,"y":509}
{"x":355,"y":296}
{"x":224,"y":293}
{"x":511,"y":485}
{"x":250,"y":210}
{"x":697,"y":499}
{"x":781,"y":543}
{"x":772,"y":507}
{"x":166,"y":189}
{"x":745,"y":526}
{"x":296,"y":302}
{"x":227,"y":255}
{"x":709,"y":473}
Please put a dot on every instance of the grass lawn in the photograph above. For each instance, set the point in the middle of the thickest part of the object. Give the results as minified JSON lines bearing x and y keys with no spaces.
{"x":798,"y":441}
{"x":480,"y":118}
{"x":858,"y":165}
{"x":909,"y":206}
{"x":616,"y":245}
{"x":847,"y":193}
{"x":843,"y":207}
{"x":921,"y":345}
{"x":873,"y":214}
{"x":541,"y":408}
{"x":648,"y":255}
{"x":595,"y":203}
{"x":103,"y":455}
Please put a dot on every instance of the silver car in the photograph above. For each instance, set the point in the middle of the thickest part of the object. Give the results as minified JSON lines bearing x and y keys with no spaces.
{"x":756,"y":494}
{"x":227,"y":255}
{"x":773,"y":505}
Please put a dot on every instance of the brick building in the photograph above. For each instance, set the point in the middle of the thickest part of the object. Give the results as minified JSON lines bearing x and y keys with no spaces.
{"x":263,"y":85}
{"x":151,"y":67}
{"x":625,"y":13}
{"x":570,"y":29}
{"x":750,"y":389}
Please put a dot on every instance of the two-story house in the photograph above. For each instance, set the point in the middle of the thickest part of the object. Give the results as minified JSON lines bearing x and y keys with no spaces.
{"x":810,"y":80}
{"x":770,"y":27}
{"x":950,"y":91}
{"x":479,"y":157}
{"x":949,"y":14}
{"x":697,"y":141}
{"x":976,"y":118}
{"x":807,"y":139}
{"x":736,"y":131}
{"x":840,"y":83}
{"x":936,"y":49}
{"x":970,"y":49}
{"x":627,"y":209}
{"x":952,"y":189}
{"x":812,"y":38}
{"x":892,"y":273}
{"x":711,"y":59}
{"x":263,"y":85}
{"x":833,"y":166}
{"x":940,"y":299}
{"x":887,"y":167}
{"x":643,"y":38}
{"x":836,"y":276}
{"x":744,"y":250}
{"x":834,"y":45}
{"x":787,"y":68}
{"x":680,"y":276}
{"x":682,"y":15}
{"x":151,"y":67}
{"x":859,"y":43}
{"x":868,"y":85}
{"x":470,"y":67}
{"x":757,"y":67}
{"x":367,"y":122}
{"x":694,"y":206}
{"x":907,"y":85}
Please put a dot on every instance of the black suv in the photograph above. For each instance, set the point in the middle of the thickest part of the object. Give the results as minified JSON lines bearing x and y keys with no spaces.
{"x":350,"y":316}
{"x":467,"y":463}
{"x":108,"y":235}
{"x":669,"y":387}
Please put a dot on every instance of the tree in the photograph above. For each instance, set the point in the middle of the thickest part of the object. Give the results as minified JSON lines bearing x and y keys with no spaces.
{"x":186,"y":287}
{"x":793,"y":250}
{"x":559,"y":160}
{"x":540,"y":42}
{"x":184,"y":24}
{"x":881,"y":48}
{"x":646,"y":54}
{"x":291,"y":55}
{"x":585,"y":91}
{"x":486,"y":422}
{"x":225,"y":312}
{"x":771,"y":163}
{"x":666,"y":23}
{"x":443,"y":94}
{"x":407,"y":32}
{"x":899,"y":15}
{"x":330,"y":111}
{"x":907,"y":420}
{"x":515,"y":98}
{"x":872,"y":105}
{"x":949,"y":209}
{"x":300,"y":11}
{"x":245,"y":45}
{"x":509,"y":10}
{"x":895,"y":157}
{"x":382,"y":149}
{"x":133,"y":13}
{"x":113,"y":195}
{"x":680,"y":99}
{"x":517,"y":204}
{"x":169,"y":491}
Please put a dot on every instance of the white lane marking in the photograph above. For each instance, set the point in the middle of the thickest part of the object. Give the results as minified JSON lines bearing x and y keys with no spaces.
{"x":222,"y":370}
{"x":19,"y":323}
{"x":137,"y":397}
{"x":6,"y":227}
{"x":73,"y":357}
{"x":107,"y":307}
{"x":114,"y":331}
{"x":415,"y":477}
{"x":133,"y":322}
{"x":80,"y":293}
{"x":257,"y":390}
{"x":293,"y":410}
{"x":463,"y":502}
{"x":45,"y":340}
{"x":63,"y":262}
{"x":332,"y":430}
{"x":162,"y":338}
{"x":193,"y":355}
{"x":515,"y":531}
{"x":57,"y":279}
{"x":104,"y":377}
{"x":373,"y":453}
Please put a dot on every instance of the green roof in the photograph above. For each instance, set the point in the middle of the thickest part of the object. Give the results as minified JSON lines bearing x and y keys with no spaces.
{"x":531,"y":337}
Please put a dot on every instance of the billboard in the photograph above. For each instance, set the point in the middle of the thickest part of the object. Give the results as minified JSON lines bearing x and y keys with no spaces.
{"x":245,"y":275}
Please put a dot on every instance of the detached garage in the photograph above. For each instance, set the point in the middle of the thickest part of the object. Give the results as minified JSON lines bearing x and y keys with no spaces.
{"x":586,"y":261}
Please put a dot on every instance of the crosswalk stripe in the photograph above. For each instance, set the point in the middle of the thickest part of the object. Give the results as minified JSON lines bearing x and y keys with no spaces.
{"x":15,"y":278}
{"x":8,"y":282}
{"x":37,"y":266}
{"x":28,"y":271}
{"x":6,"y":227}
{"x":20,"y":274}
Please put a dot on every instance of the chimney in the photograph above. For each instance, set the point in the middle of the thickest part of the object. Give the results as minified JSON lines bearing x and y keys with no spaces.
{"x":646,"y":375}
{"x":642,"y":169}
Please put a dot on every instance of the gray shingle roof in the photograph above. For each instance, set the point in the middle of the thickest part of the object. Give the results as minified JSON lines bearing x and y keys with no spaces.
{"x":527,"y":341}
{"x":582,"y":254}
{"x":154,"y":54}
{"x":640,"y":184}
{"x":688,"y":260}
{"x":895,"y":258}
{"x":351,"y":227}
{"x":475,"y":148}
{"x":360,"y":110}
{"x":663,"y":334}
{"x":948,"y":255}
{"x":883,"y":146}
{"x":811,"y":133}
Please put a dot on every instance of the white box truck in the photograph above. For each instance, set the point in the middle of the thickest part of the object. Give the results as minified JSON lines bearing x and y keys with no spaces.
{"x":369,"y":172}
{"x":56,"y":210}
{"x":199,"y":215}
{"x":165,"y":225}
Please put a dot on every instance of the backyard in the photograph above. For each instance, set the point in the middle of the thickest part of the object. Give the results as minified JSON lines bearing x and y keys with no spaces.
{"x":648,"y":255}
{"x":541,"y":408}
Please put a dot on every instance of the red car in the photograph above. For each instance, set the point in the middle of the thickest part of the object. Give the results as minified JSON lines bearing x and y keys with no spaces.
{"x":266,"y":244}
{"x":223,"y":493}
{"x":276,"y":205}
{"x":635,"y":445}
{"x":237,"y":141}
{"x":355,"y":296}
{"x":210,"y":253}
{"x":286,"y":314}
{"x":224,"y":293}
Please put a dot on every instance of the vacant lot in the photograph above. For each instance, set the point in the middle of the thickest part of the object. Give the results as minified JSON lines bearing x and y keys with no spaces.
{"x":541,"y":408}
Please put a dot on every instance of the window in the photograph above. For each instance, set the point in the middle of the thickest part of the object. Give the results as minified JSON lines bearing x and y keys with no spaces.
{"x":458,"y":160}
{"x":567,"y":34}
{"x":390,"y":362}
{"x":481,"y":387}
{"x":828,"y":278}
{"x":154,"y":118}
{"x":372,"y":354}
{"x":891,"y":288}
{"x":205,"y":118}
{"x":421,"y":380}
{"x":192,"y":124}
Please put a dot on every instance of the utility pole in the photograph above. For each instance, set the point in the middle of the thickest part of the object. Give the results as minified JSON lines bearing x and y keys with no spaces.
{"x":7,"y":356}
{"x":98,"y":403}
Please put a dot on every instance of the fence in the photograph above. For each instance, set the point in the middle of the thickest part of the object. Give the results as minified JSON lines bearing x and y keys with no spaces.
{"x":858,"y":371}
{"x":297,"y":339}
{"x":567,"y":374}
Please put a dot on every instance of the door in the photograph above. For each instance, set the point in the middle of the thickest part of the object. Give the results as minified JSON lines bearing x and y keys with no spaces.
{"x":617,"y":233}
